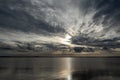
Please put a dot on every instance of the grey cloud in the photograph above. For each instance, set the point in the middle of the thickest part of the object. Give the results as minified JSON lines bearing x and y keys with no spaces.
{"x":14,"y":16}
{"x":95,"y":20}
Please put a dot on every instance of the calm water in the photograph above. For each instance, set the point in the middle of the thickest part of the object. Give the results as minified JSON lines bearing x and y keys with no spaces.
{"x":59,"y":69}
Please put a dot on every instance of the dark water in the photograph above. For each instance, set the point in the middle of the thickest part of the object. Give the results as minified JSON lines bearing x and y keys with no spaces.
{"x":59,"y":68}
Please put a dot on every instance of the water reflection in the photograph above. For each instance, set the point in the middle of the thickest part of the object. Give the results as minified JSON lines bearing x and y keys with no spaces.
{"x":69,"y":68}
{"x":59,"y":69}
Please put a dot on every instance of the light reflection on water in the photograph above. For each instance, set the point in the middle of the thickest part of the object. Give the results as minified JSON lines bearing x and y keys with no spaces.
{"x":58,"y":68}
{"x":69,"y":68}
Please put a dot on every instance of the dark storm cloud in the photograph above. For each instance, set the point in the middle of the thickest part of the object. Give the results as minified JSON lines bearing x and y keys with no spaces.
{"x":110,"y":10}
{"x":107,"y":15}
{"x":13,"y":15}
{"x":57,"y":21}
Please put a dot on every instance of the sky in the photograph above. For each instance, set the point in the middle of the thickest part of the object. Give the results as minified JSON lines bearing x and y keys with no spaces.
{"x":59,"y":22}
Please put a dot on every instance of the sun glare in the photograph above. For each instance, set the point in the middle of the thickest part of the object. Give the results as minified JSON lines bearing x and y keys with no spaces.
{"x":67,"y":40}
{"x":68,"y":37}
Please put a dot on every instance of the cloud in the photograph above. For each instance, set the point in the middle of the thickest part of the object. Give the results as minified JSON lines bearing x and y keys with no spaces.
{"x":49,"y":21}
{"x":23,"y":40}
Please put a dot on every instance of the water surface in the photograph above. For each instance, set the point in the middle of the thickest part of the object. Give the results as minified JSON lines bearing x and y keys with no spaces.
{"x":59,"y":68}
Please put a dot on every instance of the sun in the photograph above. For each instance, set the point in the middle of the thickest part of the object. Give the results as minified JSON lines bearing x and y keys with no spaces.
{"x":68,"y":38}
